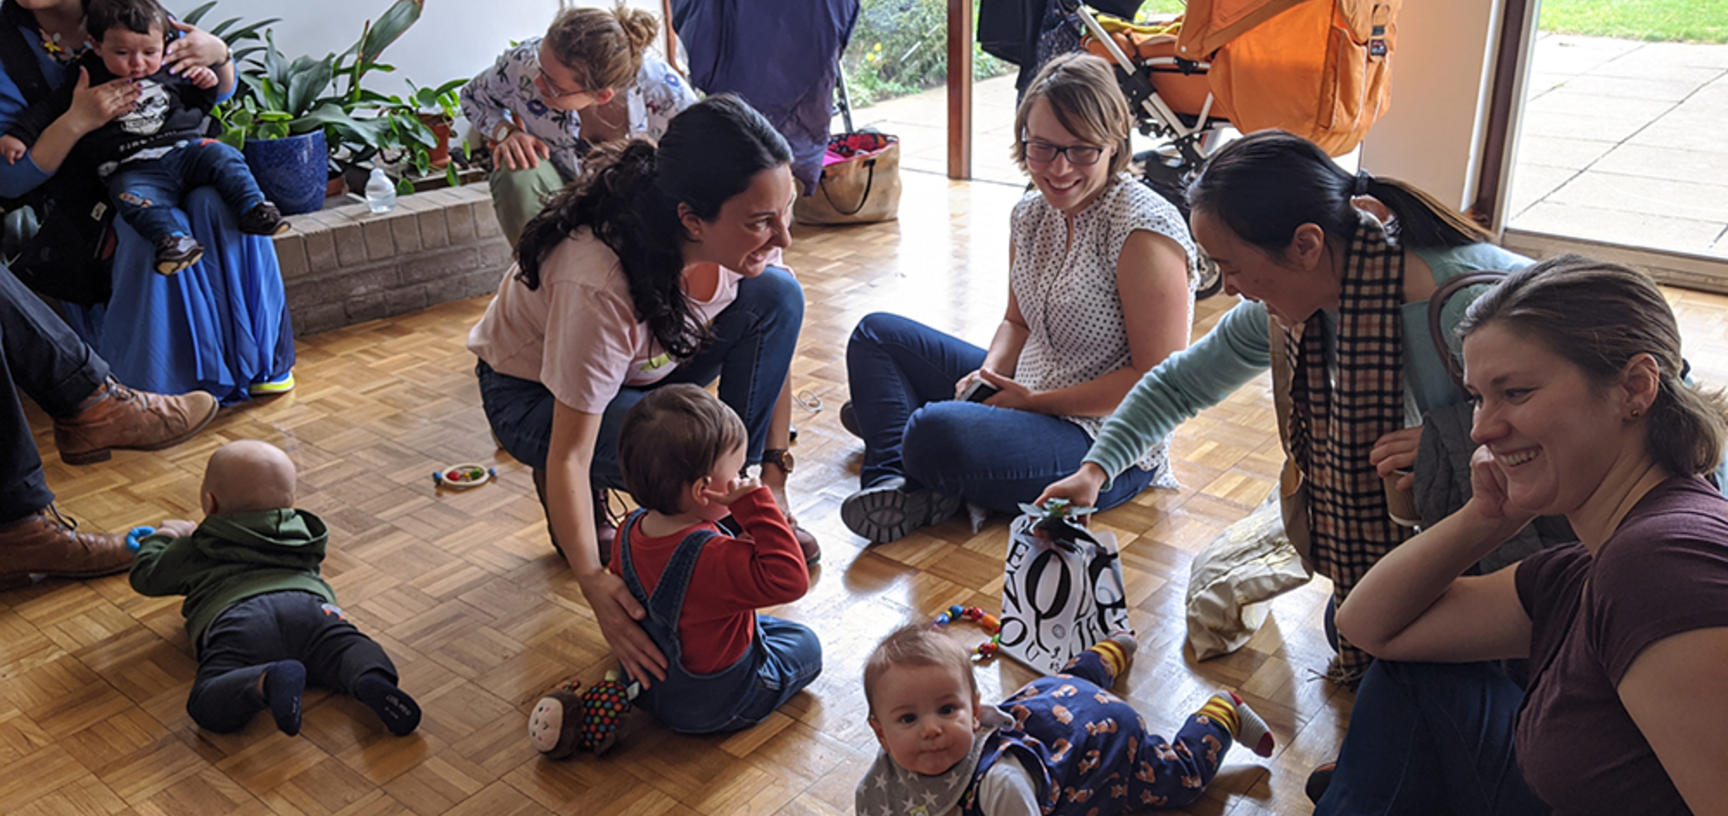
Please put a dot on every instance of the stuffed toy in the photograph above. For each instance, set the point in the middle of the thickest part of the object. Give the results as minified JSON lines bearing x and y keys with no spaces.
{"x":566,"y":721}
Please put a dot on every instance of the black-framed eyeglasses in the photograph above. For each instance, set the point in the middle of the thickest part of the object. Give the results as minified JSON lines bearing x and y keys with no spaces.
{"x":1078,"y":154}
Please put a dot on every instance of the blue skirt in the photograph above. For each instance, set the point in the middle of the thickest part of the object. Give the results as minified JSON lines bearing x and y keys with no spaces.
{"x":219,"y":325}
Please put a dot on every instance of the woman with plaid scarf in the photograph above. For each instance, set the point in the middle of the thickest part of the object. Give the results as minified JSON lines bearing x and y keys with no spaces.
{"x":1335,"y":271}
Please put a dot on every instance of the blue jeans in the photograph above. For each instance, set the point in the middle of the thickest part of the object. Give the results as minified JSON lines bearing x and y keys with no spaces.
{"x":146,"y":191}
{"x":902,"y":373}
{"x":782,"y":659}
{"x":751,"y":353}
{"x":1431,"y":738}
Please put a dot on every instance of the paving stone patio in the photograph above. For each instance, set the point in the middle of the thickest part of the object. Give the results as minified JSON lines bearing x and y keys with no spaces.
{"x":1623,"y":142}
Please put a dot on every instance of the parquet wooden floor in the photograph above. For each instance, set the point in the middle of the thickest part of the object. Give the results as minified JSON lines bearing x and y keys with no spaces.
{"x":464,"y":592}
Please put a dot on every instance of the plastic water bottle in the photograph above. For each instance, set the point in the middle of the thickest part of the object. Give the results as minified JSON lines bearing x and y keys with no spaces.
{"x":380,"y":192}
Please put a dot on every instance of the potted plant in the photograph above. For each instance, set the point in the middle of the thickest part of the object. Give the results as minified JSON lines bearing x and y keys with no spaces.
{"x":417,"y":133}
{"x":295,"y":130}
{"x":437,"y":109}
{"x":279,"y":125}
{"x":394,"y":136}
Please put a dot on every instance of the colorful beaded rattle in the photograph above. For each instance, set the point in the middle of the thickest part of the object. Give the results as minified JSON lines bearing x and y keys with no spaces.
{"x":992,"y":626}
{"x":465,"y":475}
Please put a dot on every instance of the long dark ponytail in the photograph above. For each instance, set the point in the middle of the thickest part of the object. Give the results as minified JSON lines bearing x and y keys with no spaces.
{"x":1266,"y":184}
{"x":628,"y":196}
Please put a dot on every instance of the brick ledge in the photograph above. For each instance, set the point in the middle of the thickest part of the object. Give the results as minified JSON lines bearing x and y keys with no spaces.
{"x":346,"y":265}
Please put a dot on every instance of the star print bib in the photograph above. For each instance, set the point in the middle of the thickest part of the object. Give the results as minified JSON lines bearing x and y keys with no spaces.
{"x":890,"y":790}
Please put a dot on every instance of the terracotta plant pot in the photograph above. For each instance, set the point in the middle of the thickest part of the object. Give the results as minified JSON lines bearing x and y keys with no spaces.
{"x":440,"y":126}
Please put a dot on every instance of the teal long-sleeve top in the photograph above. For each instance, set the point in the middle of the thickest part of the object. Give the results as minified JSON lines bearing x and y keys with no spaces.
{"x":1240,"y":347}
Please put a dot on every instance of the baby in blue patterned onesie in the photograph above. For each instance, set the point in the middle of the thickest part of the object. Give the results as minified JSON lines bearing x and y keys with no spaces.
{"x":1061,"y":745}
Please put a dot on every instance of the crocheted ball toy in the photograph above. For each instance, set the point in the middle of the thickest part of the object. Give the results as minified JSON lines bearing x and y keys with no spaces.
{"x":566,"y":721}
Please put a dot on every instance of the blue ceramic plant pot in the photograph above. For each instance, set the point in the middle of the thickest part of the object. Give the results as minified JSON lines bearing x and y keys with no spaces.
{"x":292,"y":172}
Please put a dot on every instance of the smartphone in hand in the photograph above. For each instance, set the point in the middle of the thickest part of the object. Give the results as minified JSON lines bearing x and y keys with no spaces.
{"x":978,"y":391}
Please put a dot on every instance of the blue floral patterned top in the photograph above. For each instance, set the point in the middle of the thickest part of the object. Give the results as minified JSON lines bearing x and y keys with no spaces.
{"x":506,"y":93}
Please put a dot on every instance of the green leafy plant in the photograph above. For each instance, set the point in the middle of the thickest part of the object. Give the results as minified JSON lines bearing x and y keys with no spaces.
{"x":411,"y":121}
{"x":442,"y":100}
{"x":899,"y":47}
{"x":282,"y":97}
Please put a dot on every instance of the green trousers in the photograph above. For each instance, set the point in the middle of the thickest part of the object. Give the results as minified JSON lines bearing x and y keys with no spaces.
{"x":518,"y":195}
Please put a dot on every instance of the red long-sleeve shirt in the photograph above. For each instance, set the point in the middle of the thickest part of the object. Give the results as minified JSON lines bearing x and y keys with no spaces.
{"x":733,"y":577}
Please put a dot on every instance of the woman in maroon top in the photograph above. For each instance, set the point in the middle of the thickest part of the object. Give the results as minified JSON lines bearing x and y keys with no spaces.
{"x":1582,"y":410}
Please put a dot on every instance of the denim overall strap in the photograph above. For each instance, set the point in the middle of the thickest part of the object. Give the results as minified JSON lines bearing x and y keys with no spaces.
{"x":627,"y":567}
{"x":667,"y":601}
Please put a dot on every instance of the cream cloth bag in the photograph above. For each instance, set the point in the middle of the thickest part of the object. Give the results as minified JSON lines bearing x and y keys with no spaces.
{"x":1251,"y":562}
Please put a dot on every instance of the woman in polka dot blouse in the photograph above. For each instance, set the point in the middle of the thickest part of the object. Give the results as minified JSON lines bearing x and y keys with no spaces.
{"x":1101,"y":288}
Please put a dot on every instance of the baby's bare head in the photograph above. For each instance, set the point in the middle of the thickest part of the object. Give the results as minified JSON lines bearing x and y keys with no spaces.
{"x":247,"y":475}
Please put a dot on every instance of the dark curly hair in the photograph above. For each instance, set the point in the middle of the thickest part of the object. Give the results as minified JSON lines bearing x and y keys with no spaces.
{"x":628,"y":196}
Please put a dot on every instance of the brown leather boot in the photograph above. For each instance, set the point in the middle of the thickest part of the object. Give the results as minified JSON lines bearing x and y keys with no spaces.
{"x":806,"y":542}
{"x":49,"y":544}
{"x":119,"y":417}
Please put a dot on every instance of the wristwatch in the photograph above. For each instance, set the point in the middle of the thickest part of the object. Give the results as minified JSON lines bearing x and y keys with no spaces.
{"x":779,"y":457}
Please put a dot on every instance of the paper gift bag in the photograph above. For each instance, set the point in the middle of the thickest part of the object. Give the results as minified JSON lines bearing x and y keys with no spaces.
{"x":1062,"y":591}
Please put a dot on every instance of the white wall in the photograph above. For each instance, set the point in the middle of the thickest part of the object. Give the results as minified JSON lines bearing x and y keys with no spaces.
{"x":453,"y":38}
{"x":1440,"y":79}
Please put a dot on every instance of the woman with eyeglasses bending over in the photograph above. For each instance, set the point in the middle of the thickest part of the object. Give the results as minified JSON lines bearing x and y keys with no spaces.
{"x":545,"y":102}
{"x":1101,"y":288}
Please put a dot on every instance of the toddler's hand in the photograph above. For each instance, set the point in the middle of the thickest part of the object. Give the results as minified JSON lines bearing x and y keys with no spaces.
{"x":735,"y":490}
{"x":178,"y":528}
{"x":202,"y":77}
{"x":12,"y":148}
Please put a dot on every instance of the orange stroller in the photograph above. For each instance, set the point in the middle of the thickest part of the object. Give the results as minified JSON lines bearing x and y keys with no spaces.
{"x":1318,"y":68}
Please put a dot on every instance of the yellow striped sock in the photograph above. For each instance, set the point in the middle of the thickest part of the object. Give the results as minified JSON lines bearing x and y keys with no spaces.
{"x":1114,"y":658}
{"x":1220,"y":710}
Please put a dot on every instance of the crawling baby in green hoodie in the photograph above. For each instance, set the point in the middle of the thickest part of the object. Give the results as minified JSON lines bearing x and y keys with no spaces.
{"x":262,"y":621}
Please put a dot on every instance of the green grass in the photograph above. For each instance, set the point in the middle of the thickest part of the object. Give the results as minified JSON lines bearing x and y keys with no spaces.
{"x":1700,"y":21}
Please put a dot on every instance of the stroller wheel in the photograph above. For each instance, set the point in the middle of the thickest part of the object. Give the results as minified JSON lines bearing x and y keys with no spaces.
{"x":1211,"y":283}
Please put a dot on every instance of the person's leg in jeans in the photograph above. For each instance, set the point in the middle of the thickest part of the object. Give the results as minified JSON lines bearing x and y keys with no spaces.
{"x":894,"y":366}
{"x":145,"y":194}
{"x":208,"y":161}
{"x":341,"y":658}
{"x":520,"y":413}
{"x":794,"y":659}
{"x":999,"y":457}
{"x":42,"y":357}
{"x":1431,"y":738}
{"x":751,"y":353}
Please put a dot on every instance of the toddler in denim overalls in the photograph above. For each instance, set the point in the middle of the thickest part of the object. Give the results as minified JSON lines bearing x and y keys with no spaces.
{"x":680,"y":451}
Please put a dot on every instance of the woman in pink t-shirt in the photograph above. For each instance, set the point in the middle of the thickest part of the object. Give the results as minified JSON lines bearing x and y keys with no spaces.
{"x":657,"y":266}
{"x":1582,"y":409}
